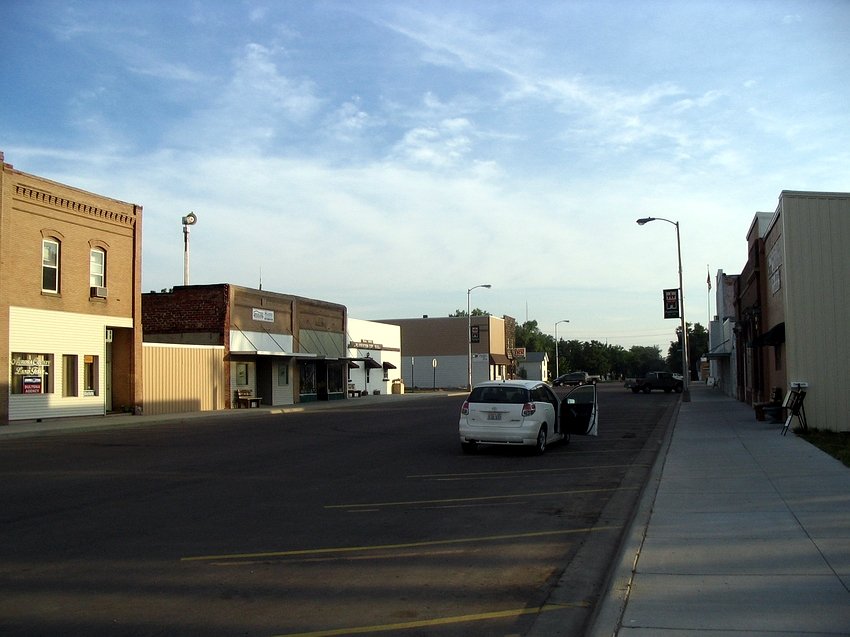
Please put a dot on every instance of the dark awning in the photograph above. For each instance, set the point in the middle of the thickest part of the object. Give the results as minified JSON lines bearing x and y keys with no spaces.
{"x":371,"y":363}
{"x":774,"y":336}
{"x":389,"y":365}
{"x":499,"y":359}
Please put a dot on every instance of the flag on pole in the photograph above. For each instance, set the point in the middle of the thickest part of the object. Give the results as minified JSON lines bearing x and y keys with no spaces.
{"x":708,"y":278}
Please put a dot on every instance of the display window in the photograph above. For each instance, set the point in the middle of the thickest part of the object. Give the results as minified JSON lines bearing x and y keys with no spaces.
{"x":32,"y":373}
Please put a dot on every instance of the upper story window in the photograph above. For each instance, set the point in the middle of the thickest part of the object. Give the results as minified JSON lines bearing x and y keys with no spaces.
{"x":50,"y":265}
{"x":97,"y":268}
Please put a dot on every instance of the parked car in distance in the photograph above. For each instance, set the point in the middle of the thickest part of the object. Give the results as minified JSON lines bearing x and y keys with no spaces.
{"x":656,"y":380}
{"x":525,"y":413}
{"x":573,"y":378}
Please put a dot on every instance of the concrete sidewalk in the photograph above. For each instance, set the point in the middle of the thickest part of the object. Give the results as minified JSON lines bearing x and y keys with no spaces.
{"x":742,"y":531}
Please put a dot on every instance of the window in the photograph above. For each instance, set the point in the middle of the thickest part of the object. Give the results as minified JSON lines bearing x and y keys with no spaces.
{"x":50,"y":265}
{"x":282,"y":374}
{"x":70,"y":387}
{"x":242,"y":374}
{"x":97,"y":268}
{"x":308,"y":378}
{"x":91,"y":386}
{"x":32,"y":373}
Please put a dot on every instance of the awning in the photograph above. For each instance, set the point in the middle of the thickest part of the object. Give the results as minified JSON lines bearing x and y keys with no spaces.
{"x":499,"y":359}
{"x":371,"y":363}
{"x":772,"y":337}
{"x":718,"y":354}
{"x":389,"y":366}
{"x":353,"y":365}
{"x":254,"y":352}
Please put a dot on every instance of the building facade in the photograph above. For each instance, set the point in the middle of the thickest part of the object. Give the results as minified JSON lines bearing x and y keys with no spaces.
{"x":374,"y":357}
{"x":70,"y":277}
{"x":279,"y":349}
{"x":793,"y":307}
{"x":435,"y":351}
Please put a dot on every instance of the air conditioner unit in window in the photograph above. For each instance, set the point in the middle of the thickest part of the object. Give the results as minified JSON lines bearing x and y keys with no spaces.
{"x":98,"y":292}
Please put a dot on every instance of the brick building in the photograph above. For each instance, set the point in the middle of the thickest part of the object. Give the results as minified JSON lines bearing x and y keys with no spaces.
{"x":70,"y":276}
{"x":278,"y":348}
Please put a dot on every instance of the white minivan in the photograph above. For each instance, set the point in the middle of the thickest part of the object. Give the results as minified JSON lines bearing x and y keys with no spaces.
{"x":525,"y":412}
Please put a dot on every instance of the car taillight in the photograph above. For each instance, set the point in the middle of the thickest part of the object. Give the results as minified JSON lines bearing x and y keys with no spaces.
{"x":528,"y":409}
{"x":464,"y":411}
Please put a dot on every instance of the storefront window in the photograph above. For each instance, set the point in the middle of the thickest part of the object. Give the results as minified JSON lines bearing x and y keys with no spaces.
{"x":32,"y":373}
{"x":90,"y":376}
{"x":308,"y":378}
{"x":69,"y":375}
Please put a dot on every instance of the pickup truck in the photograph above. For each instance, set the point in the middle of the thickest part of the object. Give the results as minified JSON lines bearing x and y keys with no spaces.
{"x":655,"y":380}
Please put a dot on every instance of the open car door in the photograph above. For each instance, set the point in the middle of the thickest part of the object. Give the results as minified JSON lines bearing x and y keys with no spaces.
{"x":579,"y":411}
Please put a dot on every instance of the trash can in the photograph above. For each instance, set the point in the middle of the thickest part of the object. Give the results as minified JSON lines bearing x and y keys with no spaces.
{"x":398,"y":386}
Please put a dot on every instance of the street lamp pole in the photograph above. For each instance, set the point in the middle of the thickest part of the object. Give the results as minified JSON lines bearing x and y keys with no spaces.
{"x":556,"y":344}
{"x":686,"y":393}
{"x":469,"y":334}
{"x":189,"y":220}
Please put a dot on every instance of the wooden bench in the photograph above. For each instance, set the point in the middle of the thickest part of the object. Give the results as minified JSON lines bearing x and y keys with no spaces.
{"x":246,"y":398}
{"x":352,"y":393}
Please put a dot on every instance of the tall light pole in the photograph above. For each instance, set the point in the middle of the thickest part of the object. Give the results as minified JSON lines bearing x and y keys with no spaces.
{"x":686,"y":394}
{"x":189,"y":220}
{"x":469,"y":334}
{"x":556,"y":344}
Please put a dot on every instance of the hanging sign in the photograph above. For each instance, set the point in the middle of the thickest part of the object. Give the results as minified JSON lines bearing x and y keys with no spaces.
{"x":671,"y":303}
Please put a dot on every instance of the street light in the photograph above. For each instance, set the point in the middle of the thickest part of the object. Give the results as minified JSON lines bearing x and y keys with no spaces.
{"x":469,"y":334}
{"x":556,"y":344}
{"x":686,"y":394}
{"x":189,"y":220}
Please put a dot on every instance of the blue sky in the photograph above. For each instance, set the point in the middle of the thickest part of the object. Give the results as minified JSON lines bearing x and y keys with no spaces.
{"x":391,"y":155}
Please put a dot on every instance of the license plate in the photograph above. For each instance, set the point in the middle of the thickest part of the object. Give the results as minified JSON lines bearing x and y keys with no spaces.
{"x":492,"y":416}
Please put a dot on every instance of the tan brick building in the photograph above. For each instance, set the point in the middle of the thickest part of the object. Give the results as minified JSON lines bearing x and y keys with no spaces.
{"x":279,"y":348}
{"x":70,"y":300}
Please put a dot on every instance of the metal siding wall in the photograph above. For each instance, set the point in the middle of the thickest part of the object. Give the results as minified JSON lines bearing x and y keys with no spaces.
{"x":58,"y":333}
{"x":817,"y":234}
{"x":451,"y":371}
{"x":183,"y":378}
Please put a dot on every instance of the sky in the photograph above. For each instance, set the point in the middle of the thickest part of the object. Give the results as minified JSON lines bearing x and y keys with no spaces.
{"x":390,"y":156}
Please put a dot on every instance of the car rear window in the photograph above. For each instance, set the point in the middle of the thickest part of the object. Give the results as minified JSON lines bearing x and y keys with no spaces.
{"x":501,"y":395}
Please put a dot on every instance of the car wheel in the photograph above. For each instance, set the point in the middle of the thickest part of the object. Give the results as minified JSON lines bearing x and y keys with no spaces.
{"x":635,"y":390}
{"x":469,"y":447}
{"x":647,"y":389}
{"x":540,"y":445}
{"x":678,"y":389}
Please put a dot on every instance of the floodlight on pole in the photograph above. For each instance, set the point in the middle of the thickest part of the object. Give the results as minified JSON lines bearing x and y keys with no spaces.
{"x":686,"y":394}
{"x":556,"y":344}
{"x":469,"y":334}
{"x":189,"y":220}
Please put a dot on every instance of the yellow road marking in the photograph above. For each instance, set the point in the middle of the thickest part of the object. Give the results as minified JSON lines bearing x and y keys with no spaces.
{"x":485,"y":498}
{"x":384,"y":547}
{"x":438,"y":621}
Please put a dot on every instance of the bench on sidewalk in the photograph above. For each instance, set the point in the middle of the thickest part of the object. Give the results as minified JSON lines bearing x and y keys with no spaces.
{"x":246,"y":398}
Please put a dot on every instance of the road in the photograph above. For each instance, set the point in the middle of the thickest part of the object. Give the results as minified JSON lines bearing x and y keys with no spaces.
{"x":350,"y":520}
